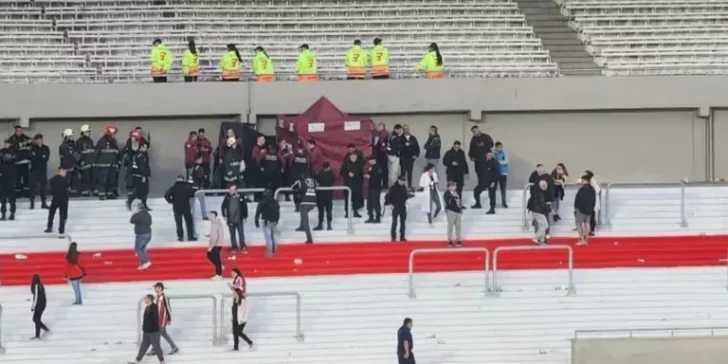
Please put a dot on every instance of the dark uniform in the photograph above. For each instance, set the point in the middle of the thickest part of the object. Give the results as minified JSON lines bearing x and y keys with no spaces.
{"x":397,"y":197}
{"x":324,"y":199}
{"x":306,"y":190}
{"x":107,"y":166}
{"x":180,"y":195}
{"x":456,"y":168}
{"x":59,"y":191}
{"x":353,"y":176}
{"x":140,"y":173}
{"x":374,"y":192}
{"x":410,"y":152}
{"x":8,"y":181}
{"x":87,"y":155}
{"x":272,"y":170}
{"x":231,"y":161}
{"x":21,"y":145}
{"x":127,"y":158}
{"x":480,"y":145}
{"x":39,"y":155}
{"x":69,"y":162}
{"x":487,"y":180}
{"x":300,"y":168}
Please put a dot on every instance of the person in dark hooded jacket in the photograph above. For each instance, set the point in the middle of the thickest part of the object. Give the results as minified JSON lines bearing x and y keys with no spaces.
{"x":324,"y":198}
{"x":270,"y":212}
{"x":107,"y":164}
{"x":179,"y":196}
{"x":8,"y":180}
{"x":352,"y":172}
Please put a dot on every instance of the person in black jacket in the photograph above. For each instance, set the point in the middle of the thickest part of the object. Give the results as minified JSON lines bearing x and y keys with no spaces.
{"x":199,"y":176}
{"x":397,"y":197}
{"x":180,"y":195}
{"x":487,"y":180}
{"x":540,"y":174}
{"x":270,"y":211}
{"x":433,"y":145}
{"x":150,"y":331}
{"x":373,"y":174}
{"x":584,"y":203}
{"x":352,"y":172}
{"x":69,"y":160}
{"x":480,"y":145}
{"x":305,"y":188}
{"x":456,"y":166}
{"x":39,"y":155}
{"x":107,"y":159}
{"x":59,"y":191}
{"x":142,"y":222}
{"x":8,"y":181}
{"x":324,"y":199}
{"x":235,"y":210}
{"x":140,"y":173}
{"x":39,"y":305}
{"x":20,"y":143}
{"x":540,"y":210}
{"x":395,"y":144}
{"x":410,"y":153}
{"x":454,"y":212}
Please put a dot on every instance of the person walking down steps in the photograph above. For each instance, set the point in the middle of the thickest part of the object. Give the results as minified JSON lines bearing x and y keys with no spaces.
{"x":240,"y":318}
{"x":150,"y":331}
{"x":165,"y":319}
{"x":39,"y":305}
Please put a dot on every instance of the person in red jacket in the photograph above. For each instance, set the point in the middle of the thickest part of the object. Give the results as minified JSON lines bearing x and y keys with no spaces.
{"x":165,"y":319}
{"x":74,"y":271}
{"x":204,"y":146}
{"x":315,"y":158}
{"x":191,"y":152}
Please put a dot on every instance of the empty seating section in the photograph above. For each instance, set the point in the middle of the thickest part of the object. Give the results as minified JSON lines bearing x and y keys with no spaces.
{"x":661,"y":37}
{"x":112,"y":39}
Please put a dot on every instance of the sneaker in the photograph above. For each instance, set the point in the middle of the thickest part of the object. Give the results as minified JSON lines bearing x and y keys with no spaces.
{"x":491,"y":211}
{"x":459,"y":244}
{"x":146,"y":265}
{"x":548,"y":236}
{"x":318,"y":228}
{"x":47,"y":231}
{"x":251,"y":347}
{"x":504,"y":205}
{"x":32,"y":205}
{"x":402,"y":239}
{"x":46,"y":333}
{"x":2,"y":218}
{"x":581,"y":242}
{"x":44,"y":206}
{"x":309,"y":241}
{"x":369,"y":221}
{"x":34,"y":338}
{"x":299,"y":229}
{"x":244,"y":251}
{"x":450,"y":244}
{"x":329,"y":227}
{"x":476,"y":206}
{"x":536,"y":241}
{"x":216,"y":278}
{"x":175,"y":350}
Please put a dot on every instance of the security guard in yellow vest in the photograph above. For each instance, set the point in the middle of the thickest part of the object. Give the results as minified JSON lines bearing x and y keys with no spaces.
{"x":263,"y":66}
{"x":379,"y":56}
{"x":356,"y":62}
{"x":231,"y":63}
{"x":161,"y":61}
{"x":191,"y":62}
{"x":432,"y":63}
{"x":306,"y":64}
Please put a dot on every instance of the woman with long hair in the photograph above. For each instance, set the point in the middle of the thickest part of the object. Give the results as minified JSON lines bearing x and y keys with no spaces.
{"x":231,"y":63}
{"x":191,"y":62}
{"x":561,"y":177}
{"x":238,"y":281}
{"x":240,"y":318}
{"x":430,"y":200}
{"x":432,"y":63}
{"x":39,"y":305}
{"x":263,"y":66}
{"x":74,"y":271}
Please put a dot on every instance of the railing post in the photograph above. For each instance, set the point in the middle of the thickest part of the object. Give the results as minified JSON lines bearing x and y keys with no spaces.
{"x":299,"y":330}
{"x":496,"y":289}
{"x":2,"y":349}
{"x":412,"y":293}
{"x":349,"y":219}
{"x":524,"y":206}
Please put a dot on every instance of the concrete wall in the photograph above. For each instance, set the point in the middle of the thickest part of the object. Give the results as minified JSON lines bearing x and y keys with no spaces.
{"x":709,"y":350}
{"x":720,"y":147}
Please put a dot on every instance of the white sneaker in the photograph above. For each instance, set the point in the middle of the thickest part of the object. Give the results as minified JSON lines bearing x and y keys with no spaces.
{"x":146,"y":265}
{"x":216,"y":278}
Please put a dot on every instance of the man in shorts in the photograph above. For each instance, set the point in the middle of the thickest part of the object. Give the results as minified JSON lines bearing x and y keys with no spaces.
{"x":584,"y":203}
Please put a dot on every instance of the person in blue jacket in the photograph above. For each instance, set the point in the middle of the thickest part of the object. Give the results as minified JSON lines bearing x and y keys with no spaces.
{"x":502,"y":157}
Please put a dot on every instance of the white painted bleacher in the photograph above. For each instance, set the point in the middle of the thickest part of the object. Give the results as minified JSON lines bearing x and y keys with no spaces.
{"x":353,"y":319}
{"x":476,"y":38}
{"x":653,"y":37}
{"x":633,"y":211}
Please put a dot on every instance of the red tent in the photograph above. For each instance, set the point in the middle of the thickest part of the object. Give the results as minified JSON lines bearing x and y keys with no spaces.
{"x":332,"y":129}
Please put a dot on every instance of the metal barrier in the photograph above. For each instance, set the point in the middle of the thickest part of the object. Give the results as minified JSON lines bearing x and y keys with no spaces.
{"x":2,"y":349}
{"x":299,"y":332}
{"x":39,"y":236}
{"x":683,"y":215}
{"x":497,"y":289}
{"x":632,"y":331}
{"x":687,"y":184}
{"x":350,"y":218}
{"x":215,"y":331}
{"x":412,"y":293}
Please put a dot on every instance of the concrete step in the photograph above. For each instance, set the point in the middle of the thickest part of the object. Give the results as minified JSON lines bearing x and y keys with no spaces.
{"x":568,"y":42}
{"x":583,"y":58}
{"x":544,"y":17}
{"x":568,"y":54}
{"x":567,"y":48}
{"x":540,"y":11}
{"x":562,"y":26}
{"x":555,"y":35}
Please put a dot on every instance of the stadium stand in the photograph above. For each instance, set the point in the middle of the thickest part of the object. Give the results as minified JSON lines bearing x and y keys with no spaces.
{"x":652,"y":37}
{"x":102,"y":40}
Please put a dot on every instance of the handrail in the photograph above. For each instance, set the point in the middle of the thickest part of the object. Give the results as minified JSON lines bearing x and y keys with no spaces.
{"x":632,"y":331}
{"x":299,"y":331}
{"x":39,"y":236}
{"x":2,"y":349}
{"x":497,"y":289}
{"x":350,"y":219}
{"x":683,"y":215}
{"x":215,"y":331}
{"x":412,"y":293}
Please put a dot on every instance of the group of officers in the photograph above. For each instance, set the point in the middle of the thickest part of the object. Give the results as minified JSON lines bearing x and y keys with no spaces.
{"x":90,"y":167}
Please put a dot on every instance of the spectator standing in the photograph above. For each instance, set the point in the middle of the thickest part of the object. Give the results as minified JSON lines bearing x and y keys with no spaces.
{"x":20,"y":143}
{"x":37,"y":288}
{"x":405,"y":343}
{"x":232,"y":163}
{"x":285,"y":154}
{"x":433,"y":146}
{"x":39,"y":156}
{"x":235,"y":210}
{"x":315,"y":158}
{"x":217,"y":236}
{"x":300,"y":169}
{"x":409,"y":154}
{"x":258,"y":160}
{"x":68,"y":160}
{"x":107,"y":164}
{"x":454,"y":212}
{"x":272,"y":167}
{"x":142,"y":222}
{"x":430,"y":203}
{"x":456,"y":166}
{"x":240,"y":318}
{"x":150,"y":331}
{"x":487,"y":180}
{"x":325,"y":198}
{"x":540,"y":174}
{"x":395,"y":144}
{"x":501,"y":156}
{"x":140,"y":174}
{"x":8,"y":181}
{"x":198,"y":178}
{"x":379,"y":62}
{"x":306,"y":189}
{"x":165,"y":319}
{"x":59,"y":191}
{"x":352,"y":172}
{"x":598,"y":205}
{"x":74,"y":271}
{"x":584,"y":206}
{"x":162,"y":59}
{"x":204,"y":148}
{"x":373,"y":174}
{"x":540,"y":210}
{"x":380,"y":138}
{"x":269,"y":209}
{"x":191,"y":152}
{"x":560,"y":176}
{"x":397,"y":197}
{"x":86,"y":149}
{"x":480,"y":144}
{"x":179,"y":196}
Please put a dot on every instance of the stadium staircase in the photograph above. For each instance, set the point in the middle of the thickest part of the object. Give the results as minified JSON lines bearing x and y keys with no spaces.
{"x":561,"y":41}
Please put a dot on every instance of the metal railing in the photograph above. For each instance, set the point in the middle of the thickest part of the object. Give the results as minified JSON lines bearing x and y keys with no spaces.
{"x":350,"y":218}
{"x":299,"y":331}
{"x":681,"y":184}
{"x":631,"y":332}
{"x":2,"y":349}
{"x":496,"y":289}
{"x":412,"y":293}
{"x":39,"y":236}
{"x":215,"y":338}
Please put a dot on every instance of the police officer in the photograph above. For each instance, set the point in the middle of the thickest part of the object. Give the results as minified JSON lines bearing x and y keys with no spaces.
{"x":324,"y":199}
{"x":352,"y":172}
{"x":59,"y":191}
{"x":300,"y":168}
{"x":8,"y":180}
{"x":305,"y":188}
{"x":69,"y":160}
{"x":39,"y":155}
{"x":179,"y":196}
{"x":232,"y":164}
{"x":140,"y":172}
{"x":21,"y":144}
{"x":107,"y":162}
{"x":373,"y":173}
{"x":272,"y":169}
{"x":87,"y":157}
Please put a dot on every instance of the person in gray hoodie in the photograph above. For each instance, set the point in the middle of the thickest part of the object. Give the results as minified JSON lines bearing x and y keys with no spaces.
{"x":217,"y":235}
{"x":142,"y":222}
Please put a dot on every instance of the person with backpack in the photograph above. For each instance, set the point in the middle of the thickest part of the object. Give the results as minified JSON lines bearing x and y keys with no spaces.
{"x":270,"y":211}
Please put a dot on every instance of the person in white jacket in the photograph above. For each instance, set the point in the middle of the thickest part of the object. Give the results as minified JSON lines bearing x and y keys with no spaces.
{"x":217,"y":237}
{"x":598,"y":205}
{"x":240,"y":318}
{"x":430,"y":196}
